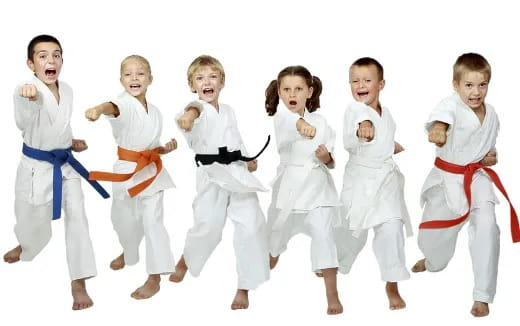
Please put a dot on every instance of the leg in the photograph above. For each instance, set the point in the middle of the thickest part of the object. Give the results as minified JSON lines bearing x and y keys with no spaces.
{"x":209,"y":213}
{"x":278,"y":239}
{"x":80,"y":253}
{"x":149,"y":288}
{"x":437,"y":245}
{"x":128,"y":226}
{"x":318,"y":224}
{"x":331,"y":289}
{"x":159,"y":256}
{"x":484,"y":245}
{"x":348,"y":247}
{"x":32,"y":229}
{"x":389,"y":249}
{"x":249,"y":241}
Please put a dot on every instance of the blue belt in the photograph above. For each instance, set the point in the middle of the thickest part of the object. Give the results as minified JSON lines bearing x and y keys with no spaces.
{"x":57,"y":158}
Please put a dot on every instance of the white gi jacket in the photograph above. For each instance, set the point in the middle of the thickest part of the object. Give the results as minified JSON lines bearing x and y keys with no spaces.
{"x":468,"y":142}
{"x":137,"y":130}
{"x":45,"y":125}
{"x":214,"y":129}
{"x":304,"y":181}
{"x":372,"y":184}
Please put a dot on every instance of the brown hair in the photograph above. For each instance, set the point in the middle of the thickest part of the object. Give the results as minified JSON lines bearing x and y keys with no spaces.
{"x":139,"y":58}
{"x":205,"y":60}
{"x":41,"y":39}
{"x":367,"y":61}
{"x":271,"y":93}
{"x":470,"y":62}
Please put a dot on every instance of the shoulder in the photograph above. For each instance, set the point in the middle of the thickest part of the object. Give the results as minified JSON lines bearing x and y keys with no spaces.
{"x":64,"y":87}
{"x":449,"y":102}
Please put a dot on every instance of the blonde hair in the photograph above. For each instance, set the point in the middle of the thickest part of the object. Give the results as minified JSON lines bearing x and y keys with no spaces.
{"x":205,"y":60}
{"x":470,"y":62}
{"x":139,"y":58}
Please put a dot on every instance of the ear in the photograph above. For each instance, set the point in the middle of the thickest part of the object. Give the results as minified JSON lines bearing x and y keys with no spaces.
{"x":30,"y":64}
{"x":311,"y":90}
{"x":382,"y":84}
{"x":192,"y":89}
{"x":151,"y":78}
{"x":455,"y":86}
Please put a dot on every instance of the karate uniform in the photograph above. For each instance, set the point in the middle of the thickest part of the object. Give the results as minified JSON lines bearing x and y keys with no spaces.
{"x":372,"y":195}
{"x":45,"y":125}
{"x":443,"y":197}
{"x":225,"y":190}
{"x":304,"y":196}
{"x":137,"y":130}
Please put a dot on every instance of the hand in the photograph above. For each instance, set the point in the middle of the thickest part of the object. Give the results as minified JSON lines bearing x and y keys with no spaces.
{"x":437,"y":134}
{"x":323,"y":154}
{"x":490,"y":159}
{"x":79,"y":145}
{"x":28,"y":91}
{"x":168,"y":147}
{"x":305,"y":129}
{"x":186,"y":121}
{"x":366,"y":130}
{"x":93,"y":114}
{"x":252,"y":165}
{"x":398,"y":148}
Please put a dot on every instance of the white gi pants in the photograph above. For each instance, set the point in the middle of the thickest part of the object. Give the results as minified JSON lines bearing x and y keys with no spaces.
{"x":210,"y":208}
{"x":317,"y":224}
{"x":438,"y":245}
{"x":33,"y":230}
{"x":140,"y":216}
{"x":388,"y":246}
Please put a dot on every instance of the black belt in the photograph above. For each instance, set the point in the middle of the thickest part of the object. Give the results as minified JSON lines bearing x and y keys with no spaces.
{"x":225,"y":157}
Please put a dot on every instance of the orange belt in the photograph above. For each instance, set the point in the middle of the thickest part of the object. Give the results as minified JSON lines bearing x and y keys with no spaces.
{"x":468,"y":171}
{"x":142,"y":159}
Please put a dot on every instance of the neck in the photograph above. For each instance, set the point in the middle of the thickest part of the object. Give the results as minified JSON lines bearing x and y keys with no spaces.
{"x":142,"y":99}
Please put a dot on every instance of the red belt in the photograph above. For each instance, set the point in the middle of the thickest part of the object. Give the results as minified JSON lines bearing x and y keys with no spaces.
{"x":468,"y":171}
{"x":142,"y":159}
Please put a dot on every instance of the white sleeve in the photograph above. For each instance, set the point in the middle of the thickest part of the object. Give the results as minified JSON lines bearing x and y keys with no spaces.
{"x":24,"y":109}
{"x":285,"y":128}
{"x":193,"y":136}
{"x":443,"y":112}
{"x":124,"y":107}
{"x":354,"y":115}
{"x":330,"y":135}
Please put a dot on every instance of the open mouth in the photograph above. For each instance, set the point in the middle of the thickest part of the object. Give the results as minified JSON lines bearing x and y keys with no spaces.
{"x":135,"y":86}
{"x":293,"y":103}
{"x":208,"y":91}
{"x":362,"y":94}
{"x":50,"y":72}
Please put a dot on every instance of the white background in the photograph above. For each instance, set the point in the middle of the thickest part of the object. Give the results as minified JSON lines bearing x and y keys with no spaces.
{"x":417,"y":43}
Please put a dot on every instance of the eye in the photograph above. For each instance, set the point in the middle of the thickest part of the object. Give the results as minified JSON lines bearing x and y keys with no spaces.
{"x":198,"y":78}
{"x":213,"y":76}
{"x":354,"y":81}
{"x":126,"y":74}
{"x":285,"y":89}
{"x":141,"y":74}
{"x":368,"y":80}
{"x":57,"y":55}
{"x":42,"y":56}
{"x":299,"y":88}
{"x":468,"y":85}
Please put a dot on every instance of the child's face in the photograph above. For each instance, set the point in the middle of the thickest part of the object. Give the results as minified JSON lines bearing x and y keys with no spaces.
{"x":135,"y":78}
{"x":472,"y":88}
{"x":46,"y":62}
{"x":365,"y":84}
{"x":294,"y":92}
{"x":207,"y":83}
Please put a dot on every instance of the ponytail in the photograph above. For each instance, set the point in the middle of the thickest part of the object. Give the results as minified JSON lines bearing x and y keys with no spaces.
{"x":271,"y":98}
{"x":313,"y":103}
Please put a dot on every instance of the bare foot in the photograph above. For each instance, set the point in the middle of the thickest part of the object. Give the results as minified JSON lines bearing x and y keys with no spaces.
{"x":180,"y":271}
{"x":149,"y":288}
{"x":480,"y":309}
{"x":420,"y":266}
{"x":273,"y":261}
{"x":334,"y":305}
{"x":13,"y":255}
{"x":319,"y":274}
{"x":241,"y":301}
{"x":81,"y":299}
{"x":118,"y":263}
{"x":394,"y":298}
